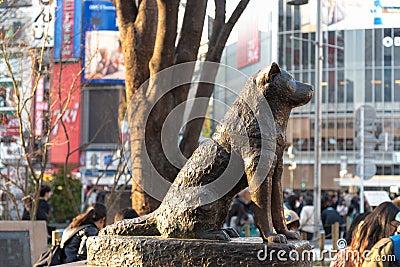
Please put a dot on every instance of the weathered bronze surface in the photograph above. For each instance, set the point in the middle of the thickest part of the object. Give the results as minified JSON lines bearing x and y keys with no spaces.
{"x":254,"y":153}
{"x":152,"y":251}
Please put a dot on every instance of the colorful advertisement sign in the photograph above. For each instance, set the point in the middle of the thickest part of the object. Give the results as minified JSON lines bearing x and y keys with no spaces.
{"x":351,"y":14}
{"x":9,"y":122}
{"x":103,"y":59}
{"x":248,"y":44}
{"x":40,"y":106}
{"x":64,"y":75}
{"x":43,"y":13}
{"x":68,"y":28}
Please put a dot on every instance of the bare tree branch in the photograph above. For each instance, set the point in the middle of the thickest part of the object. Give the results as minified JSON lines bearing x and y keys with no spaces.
{"x":204,"y":90}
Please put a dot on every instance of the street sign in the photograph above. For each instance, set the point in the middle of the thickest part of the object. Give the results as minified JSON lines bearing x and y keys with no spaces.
{"x":369,"y":115}
{"x":102,"y":160}
{"x":366,"y":141}
{"x":369,"y":169}
{"x":374,"y":198}
{"x":365,"y":126}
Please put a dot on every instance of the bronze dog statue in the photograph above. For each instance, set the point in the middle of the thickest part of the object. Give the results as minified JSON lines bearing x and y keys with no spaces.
{"x":247,"y":147}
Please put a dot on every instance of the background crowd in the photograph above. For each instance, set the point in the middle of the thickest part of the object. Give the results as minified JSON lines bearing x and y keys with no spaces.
{"x":336,"y":206}
{"x":372,"y":227}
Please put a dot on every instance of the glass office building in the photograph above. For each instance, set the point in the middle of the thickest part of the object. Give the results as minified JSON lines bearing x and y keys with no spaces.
{"x":361,"y":68}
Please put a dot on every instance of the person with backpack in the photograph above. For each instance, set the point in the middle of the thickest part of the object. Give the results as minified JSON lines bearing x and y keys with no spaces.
{"x":386,"y":252}
{"x":92,"y":221}
{"x":73,"y":241}
{"x":379,"y":224}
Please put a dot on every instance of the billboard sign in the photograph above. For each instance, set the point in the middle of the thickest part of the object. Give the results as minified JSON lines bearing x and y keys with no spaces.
{"x":67,"y":42}
{"x":351,"y":14}
{"x":40,"y":106}
{"x":103,"y":60}
{"x":9,"y":124}
{"x":71,"y":117}
{"x":43,"y":13}
{"x":248,"y":44}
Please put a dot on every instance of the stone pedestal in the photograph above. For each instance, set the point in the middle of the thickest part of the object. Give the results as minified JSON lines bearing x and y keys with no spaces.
{"x":156,"y":251}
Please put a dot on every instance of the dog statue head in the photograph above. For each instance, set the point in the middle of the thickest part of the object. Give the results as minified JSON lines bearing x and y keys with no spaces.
{"x":278,"y":83}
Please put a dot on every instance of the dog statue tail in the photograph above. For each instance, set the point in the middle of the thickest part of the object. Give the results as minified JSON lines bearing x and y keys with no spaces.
{"x":145,"y":225}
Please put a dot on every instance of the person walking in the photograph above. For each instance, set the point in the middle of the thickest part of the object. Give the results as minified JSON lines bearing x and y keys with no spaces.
{"x":241,"y":216}
{"x":307,"y":218}
{"x":92,"y":221}
{"x":240,"y":211}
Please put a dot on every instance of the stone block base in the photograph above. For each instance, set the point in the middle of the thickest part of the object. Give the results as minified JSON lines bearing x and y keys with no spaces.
{"x":156,"y":251}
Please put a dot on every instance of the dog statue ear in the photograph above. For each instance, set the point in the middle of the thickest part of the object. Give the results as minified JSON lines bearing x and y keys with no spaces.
{"x":274,"y":69}
{"x":264,"y":76}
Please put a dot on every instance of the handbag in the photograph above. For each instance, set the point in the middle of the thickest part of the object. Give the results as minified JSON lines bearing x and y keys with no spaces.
{"x":54,"y":254}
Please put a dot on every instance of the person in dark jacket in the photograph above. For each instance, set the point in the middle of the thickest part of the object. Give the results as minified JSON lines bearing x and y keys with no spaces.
{"x":94,"y":219}
{"x":26,"y":215}
{"x":241,"y":215}
{"x":44,"y":209}
{"x":329,"y":216}
{"x":241,"y":210}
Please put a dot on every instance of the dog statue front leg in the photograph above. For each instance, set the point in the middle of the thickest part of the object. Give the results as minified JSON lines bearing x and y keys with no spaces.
{"x":261,"y":191}
{"x":277,"y":204}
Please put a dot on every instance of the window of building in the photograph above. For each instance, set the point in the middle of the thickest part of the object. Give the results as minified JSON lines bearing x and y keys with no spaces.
{"x":396,"y":85}
{"x":100,"y":117}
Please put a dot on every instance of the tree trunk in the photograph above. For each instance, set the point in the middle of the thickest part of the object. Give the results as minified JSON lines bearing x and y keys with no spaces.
{"x":138,"y":31}
{"x":142,"y":169}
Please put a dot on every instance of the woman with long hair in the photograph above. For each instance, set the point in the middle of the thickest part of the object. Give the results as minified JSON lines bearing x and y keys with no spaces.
{"x":88,"y":224}
{"x":380,"y":223}
{"x":353,"y":226}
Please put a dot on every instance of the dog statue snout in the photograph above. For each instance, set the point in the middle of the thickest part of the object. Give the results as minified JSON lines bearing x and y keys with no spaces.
{"x":303,"y":94}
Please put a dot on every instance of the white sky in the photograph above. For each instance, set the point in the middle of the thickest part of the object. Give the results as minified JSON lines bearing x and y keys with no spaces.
{"x":255,"y":7}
